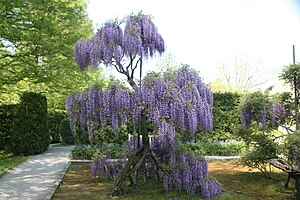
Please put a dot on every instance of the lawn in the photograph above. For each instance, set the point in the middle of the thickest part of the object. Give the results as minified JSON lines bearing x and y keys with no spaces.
{"x":237,"y":182}
{"x":8,"y":161}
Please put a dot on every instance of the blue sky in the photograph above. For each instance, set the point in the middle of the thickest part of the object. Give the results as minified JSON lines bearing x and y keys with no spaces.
{"x":204,"y":33}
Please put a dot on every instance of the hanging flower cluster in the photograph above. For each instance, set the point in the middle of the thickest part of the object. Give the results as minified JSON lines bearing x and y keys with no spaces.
{"x":191,"y":176}
{"x":183,"y":102}
{"x":187,"y":173}
{"x":258,"y":107}
{"x":110,"y":43}
{"x":177,"y":101}
{"x":98,"y":107}
{"x":269,"y":115}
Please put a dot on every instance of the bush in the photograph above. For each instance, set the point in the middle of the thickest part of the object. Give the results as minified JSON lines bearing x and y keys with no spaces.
{"x":259,"y":155}
{"x":291,"y":148}
{"x":30,"y":134}
{"x":7,"y":115}
{"x":54,"y":120}
{"x":65,"y":132}
{"x":88,"y":152}
{"x":226,"y":116}
{"x":215,"y":148}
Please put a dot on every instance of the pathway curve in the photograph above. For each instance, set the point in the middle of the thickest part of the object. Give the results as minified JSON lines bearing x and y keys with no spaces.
{"x":38,"y":177}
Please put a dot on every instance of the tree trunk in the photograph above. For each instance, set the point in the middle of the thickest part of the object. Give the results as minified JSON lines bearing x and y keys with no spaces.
{"x":135,"y":160}
{"x":297,"y":187}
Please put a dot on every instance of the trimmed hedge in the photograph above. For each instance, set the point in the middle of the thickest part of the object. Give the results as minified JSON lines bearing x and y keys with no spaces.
{"x":65,"y":132}
{"x":30,"y":134}
{"x":7,"y":115}
{"x":54,"y":119}
{"x":226,"y":115}
{"x":215,"y":148}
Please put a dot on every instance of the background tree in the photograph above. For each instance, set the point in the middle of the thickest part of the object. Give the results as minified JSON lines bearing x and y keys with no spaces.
{"x":239,"y":74}
{"x":291,"y":75}
{"x":36,"y":48}
{"x":261,"y":114}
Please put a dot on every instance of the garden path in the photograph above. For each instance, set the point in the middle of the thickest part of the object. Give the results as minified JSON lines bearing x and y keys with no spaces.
{"x":38,"y":177}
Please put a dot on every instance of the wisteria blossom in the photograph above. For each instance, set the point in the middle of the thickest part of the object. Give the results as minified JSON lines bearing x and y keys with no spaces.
{"x":110,"y":44}
{"x":181,"y":103}
{"x":177,"y":101}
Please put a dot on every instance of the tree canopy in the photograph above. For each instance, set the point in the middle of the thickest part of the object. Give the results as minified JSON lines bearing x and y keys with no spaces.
{"x":36,"y":46}
{"x":122,"y":49}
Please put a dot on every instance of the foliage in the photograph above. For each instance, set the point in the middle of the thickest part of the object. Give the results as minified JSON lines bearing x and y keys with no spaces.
{"x":291,"y":75}
{"x":260,"y":115}
{"x":108,"y":135}
{"x":65,"y":132}
{"x":226,"y":116}
{"x":292,"y":148}
{"x":260,"y":110}
{"x":7,"y":116}
{"x":215,"y":148}
{"x":257,"y":157}
{"x":55,"y":117}
{"x":88,"y":152}
{"x":36,"y":48}
{"x":30,"y":130}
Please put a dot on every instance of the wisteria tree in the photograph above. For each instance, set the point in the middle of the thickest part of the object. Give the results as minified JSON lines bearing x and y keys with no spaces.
{"x":177,"y":101}
{"x":260,"y":116}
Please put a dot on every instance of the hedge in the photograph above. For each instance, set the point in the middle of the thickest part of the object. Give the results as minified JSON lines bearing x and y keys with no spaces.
{"x":30,"y":134}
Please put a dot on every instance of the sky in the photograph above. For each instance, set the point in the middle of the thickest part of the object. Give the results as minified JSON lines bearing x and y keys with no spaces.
{"x":206,"y":33}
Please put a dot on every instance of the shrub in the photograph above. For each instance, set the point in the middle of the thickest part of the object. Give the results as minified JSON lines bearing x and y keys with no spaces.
{"x":88,"y":152}
{"x":226,"y":116}
{"x":65,"y":132}
{"x":291,"y":148}
{"x":7,"y":115}
{"x":30,"y":130}
{"x":54,"y":120}
{"x":215,"y":148}
{"x":258,"y":157}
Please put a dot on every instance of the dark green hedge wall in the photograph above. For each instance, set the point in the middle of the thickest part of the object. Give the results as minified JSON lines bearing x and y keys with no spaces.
{"x":7,"y":115}
{"x":65,"y":132}
{"x":54,"y":119}
{"x":226,"y":115}
{"x":30,"y":130}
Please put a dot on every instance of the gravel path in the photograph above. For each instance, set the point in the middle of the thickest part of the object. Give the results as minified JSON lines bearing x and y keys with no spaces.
{"x":221,"y":157}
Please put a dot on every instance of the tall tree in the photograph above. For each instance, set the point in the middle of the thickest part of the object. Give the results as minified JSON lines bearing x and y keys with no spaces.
{"x":36,"y":44}
{"x":178,"y":98}
{"x":291,"y":75}
{"x":239,"y":74}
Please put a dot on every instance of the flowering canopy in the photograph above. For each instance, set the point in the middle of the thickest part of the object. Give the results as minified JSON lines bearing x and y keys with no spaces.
{"x":177,"y":101}
{"x":111,"y":45}
{"x":258,"y":107}
{"x":179,"y":97}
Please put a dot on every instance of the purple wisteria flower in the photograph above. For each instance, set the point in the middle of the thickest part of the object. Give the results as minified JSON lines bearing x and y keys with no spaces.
{"x":111,"y":45}
{"x":82,"y":53}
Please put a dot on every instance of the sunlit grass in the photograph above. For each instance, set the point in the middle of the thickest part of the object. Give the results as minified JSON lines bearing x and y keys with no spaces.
{"x":8,"y":161}
{"x":237,"y":182}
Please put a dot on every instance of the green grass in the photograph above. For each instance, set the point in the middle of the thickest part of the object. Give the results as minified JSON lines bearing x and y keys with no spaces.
{"x":237,"y":182}
{"x":9,"y":161}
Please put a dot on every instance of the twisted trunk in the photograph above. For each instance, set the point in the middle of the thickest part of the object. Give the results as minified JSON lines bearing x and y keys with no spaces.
{"x":135,"y":160}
